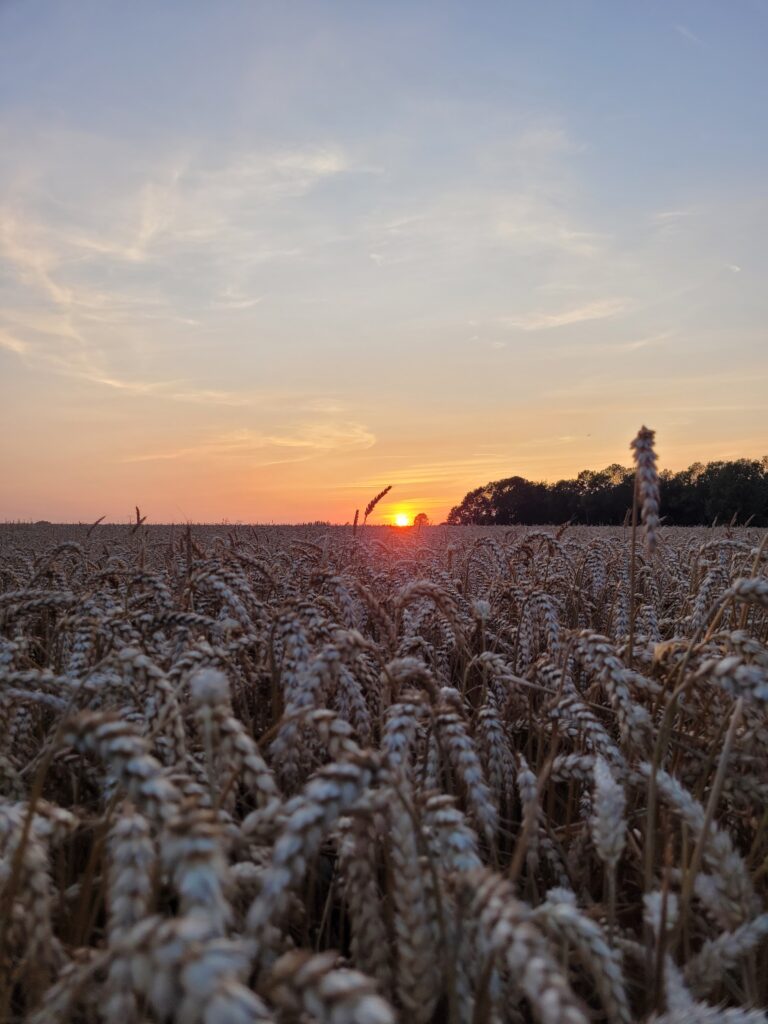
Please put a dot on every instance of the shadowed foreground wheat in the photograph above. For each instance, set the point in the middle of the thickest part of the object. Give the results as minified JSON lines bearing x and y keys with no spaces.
{"x":296,"y":774}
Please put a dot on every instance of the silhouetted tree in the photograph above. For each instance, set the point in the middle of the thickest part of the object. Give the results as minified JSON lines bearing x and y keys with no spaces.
{"x":422,"y":519}
{"x":699,"y":494}
{"x":477,"y":507}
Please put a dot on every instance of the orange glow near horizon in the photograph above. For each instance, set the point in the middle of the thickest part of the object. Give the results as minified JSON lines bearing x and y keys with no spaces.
{"x":88,"y":473}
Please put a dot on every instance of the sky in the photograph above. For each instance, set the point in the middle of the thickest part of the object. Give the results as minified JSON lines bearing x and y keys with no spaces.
{"x":259,"y":260}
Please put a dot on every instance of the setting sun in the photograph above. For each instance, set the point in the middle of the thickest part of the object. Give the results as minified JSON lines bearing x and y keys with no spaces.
{"x":401,"y":519}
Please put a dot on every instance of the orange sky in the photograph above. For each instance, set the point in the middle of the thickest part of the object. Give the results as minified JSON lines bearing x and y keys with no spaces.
{"x":79,"y":458}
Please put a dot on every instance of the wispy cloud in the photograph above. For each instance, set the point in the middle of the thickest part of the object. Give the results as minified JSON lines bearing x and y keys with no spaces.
{"x":233,"y":299}
{"x":534,"y":222}
{"x":545,"y":140}
{"x":182,"y":202}
{"x":49,"y":341}
{"x":481,"y":224}
{"x":689,"y":35}
{"x":312,"y":438}
{"x":664,"y":216}
{"x":542,"y":321}
{"x":649,"y":341}
{"x":176,"y":391}
{"x":12,"y":344}
{"x":76,"y":267}
{"x":275,"y":175}
{"x":439,"y":471}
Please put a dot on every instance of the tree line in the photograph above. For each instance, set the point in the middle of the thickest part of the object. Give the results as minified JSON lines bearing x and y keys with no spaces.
{"x":699,"y":495}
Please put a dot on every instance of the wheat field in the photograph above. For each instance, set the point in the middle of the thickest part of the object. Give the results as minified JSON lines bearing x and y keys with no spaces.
{"x":311,"y":774}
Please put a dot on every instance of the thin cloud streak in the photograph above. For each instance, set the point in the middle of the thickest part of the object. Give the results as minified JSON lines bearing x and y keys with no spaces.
{"x":318,"y":438}
{"x":12,"y":344}
{"x":543,"y":321}
{"x":689,"y":35}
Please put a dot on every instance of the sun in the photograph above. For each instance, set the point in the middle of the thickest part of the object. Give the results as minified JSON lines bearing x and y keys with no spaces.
{"x":401,"y":519}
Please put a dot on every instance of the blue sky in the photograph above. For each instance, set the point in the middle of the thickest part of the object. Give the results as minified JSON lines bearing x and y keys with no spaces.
{"x":256,"y":259}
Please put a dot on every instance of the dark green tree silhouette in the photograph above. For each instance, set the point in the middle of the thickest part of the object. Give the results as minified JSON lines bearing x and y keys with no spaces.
{"x":723,"y":491}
